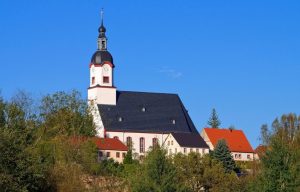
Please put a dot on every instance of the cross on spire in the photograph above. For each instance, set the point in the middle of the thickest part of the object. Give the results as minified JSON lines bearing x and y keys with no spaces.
{"x":102,"y":13}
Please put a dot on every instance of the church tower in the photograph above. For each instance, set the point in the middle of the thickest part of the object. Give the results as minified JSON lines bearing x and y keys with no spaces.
{"x":102,"y":90}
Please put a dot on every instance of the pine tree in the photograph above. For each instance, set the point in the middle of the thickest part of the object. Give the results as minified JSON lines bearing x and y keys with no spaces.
{"x":223,"y":154}
{"x":128,"y":157}
{"x":214,"y":121}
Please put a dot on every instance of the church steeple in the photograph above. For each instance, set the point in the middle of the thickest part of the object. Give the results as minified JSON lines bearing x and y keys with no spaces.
{"x":102,"y":89}
{"x":102,"y":40}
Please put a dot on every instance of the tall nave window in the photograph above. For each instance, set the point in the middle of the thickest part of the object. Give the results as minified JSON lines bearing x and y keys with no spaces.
{"x":142,"y":145}
{"x":129,"y":142}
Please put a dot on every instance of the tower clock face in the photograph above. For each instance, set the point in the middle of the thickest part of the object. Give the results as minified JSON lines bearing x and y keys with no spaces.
{"x":106,"y":69}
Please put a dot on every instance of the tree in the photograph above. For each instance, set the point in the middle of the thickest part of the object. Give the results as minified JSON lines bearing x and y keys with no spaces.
{"x":214,"y":121}
{"x":198,"y":172}
{"x":156,"y":173}
{"x":20,"y":168}
{"x":66,"y":114}
{"x":222,"y":153}
{"x":280,"y":166}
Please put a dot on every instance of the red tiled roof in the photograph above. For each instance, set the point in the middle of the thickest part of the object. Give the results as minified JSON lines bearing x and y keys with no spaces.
{"x":261,"y":150}
{"x":110,"y":144}
{"x":235,"y":139}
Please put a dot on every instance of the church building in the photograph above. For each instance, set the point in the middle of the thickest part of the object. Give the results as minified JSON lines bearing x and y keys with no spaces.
{"x":138,"y":119}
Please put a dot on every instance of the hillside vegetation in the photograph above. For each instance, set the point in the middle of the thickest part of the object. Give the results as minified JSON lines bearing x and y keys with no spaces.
{"x":42,"y":149}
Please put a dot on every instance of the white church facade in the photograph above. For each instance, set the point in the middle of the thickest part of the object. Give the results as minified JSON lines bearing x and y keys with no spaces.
{"x":138,"y":119}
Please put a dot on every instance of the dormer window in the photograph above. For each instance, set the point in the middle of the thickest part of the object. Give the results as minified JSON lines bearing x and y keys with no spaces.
{"x":120,"y":119}
{"x":143,"y":109}
{"x":173,"y":121}
{"x":105,"y":79}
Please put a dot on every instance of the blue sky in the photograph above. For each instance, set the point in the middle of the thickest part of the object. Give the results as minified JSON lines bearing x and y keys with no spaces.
{"x":241,"y":57}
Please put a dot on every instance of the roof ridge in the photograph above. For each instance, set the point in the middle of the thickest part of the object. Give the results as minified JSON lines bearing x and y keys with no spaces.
{"x":121,"y":91}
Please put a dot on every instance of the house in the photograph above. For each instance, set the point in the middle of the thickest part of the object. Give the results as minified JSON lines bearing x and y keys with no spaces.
{"x":110,"y":148}
{"x":260,"y":151}
{"x":236,"y":140}
{"x":138,"y":119}
{"x":185,"y":143}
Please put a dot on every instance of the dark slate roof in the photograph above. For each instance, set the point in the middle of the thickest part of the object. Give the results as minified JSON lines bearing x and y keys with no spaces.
{"x":100,"y":56}
{"x":160,"y":110}
{"x":190,"y":140}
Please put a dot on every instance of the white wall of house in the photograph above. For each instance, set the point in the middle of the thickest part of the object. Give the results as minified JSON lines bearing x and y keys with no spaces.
{"x":136,"y":139}
{"x":173,"y":147}
{"x":240,"y":156}
{"x":112,"y":154}
{"x":206,"y":139}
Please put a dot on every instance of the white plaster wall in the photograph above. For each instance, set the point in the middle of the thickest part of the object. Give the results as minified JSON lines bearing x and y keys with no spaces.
{"x":103,"y":95}
{"x":171,"y":147}
{"x":244,"y":156}
{"x":96,"y":119}
{"x":107,"y":73}
{"x":98,"y":72}
{"x":136,"y":139}
{"x":206,"y":139}
{"x":113,"y":155}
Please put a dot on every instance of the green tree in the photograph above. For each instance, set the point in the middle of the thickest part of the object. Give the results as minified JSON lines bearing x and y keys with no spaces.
{"x":156,"y":173}
{"x":222,"y":153}
{"x":66,"y":114}
{"x":214,"y":121}
{"x":198,"y":172}
{"x":20,"y":168}
{"x":280,"y":166}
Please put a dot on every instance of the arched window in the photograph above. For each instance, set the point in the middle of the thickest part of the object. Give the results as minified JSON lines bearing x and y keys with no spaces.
{"x":142,"y":145}
{"x":154,"y":142}
{"x":116,"y":137}
{"x":129,"y":142}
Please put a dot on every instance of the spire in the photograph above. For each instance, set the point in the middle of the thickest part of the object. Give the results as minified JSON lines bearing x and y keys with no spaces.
{"x":102,"y":29}
{"x":102,"y":12}
{"x":102,"y":40}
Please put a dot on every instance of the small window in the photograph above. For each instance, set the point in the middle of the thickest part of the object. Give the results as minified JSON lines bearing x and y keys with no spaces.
{"x":168,"y":143}
{"x":123,"y":155}
{"x":171,"y":142}
{"x":248,"y":157}
{"x":120,"y":119}
{"x":197,"y":150}
{"x":117,"y":154}
{"x":105,"y":79}
{"x":191,"y":150}
{"x":116,"y":137}
{"x":173,"y":121}
{"x":103,"y":44}
{"x":144,"y":109}
{"x":240,"y":156}
{"x":184,"y":150}
{"x":107,"y":154}
{"x":203,"y":151}
{"x":100,"y":154}
{"x":93,"y":80}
